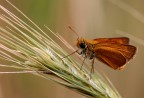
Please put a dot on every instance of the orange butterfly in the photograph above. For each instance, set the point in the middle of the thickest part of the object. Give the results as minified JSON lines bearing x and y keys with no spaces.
{"x":114,"y":52}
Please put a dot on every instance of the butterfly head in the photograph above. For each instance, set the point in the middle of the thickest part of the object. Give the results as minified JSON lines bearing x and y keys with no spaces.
{"x":81,"y":43}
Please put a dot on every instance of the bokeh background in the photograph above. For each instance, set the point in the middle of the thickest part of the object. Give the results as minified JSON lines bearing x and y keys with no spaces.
{"x":91,"y":19}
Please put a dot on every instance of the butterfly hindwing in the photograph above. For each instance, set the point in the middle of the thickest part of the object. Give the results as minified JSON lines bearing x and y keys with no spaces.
{"x":114,"y":55}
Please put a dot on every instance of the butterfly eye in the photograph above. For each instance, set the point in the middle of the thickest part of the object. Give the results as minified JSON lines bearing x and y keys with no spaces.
{"x":82,"y":45}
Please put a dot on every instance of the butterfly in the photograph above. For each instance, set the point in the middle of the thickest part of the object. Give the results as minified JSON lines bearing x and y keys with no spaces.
{"x":114,"y":52}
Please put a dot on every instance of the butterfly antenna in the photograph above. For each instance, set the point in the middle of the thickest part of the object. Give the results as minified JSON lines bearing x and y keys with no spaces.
{"x":73,"y":31}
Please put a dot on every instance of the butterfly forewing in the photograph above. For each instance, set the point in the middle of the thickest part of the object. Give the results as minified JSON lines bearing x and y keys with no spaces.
{"x":119,"y":40}
{"x":114,"y":55}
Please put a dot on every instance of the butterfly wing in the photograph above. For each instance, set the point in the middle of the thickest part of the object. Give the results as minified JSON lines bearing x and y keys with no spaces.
{"x":114,"y":55}
{"x":119,"y":40}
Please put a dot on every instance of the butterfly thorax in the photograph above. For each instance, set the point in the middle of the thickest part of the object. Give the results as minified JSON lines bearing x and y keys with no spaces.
{"x":87,"y":47}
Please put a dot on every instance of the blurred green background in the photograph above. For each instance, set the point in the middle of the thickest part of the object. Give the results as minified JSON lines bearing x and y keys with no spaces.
{"x":91,"y":19}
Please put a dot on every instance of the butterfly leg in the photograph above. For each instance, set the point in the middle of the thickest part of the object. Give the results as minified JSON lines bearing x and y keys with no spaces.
{"x":69,"y":54}
{"x":92,"y":68}
{"x":83,"y":63}
{"x":92,"y":55}
{"x":85,"y":56}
